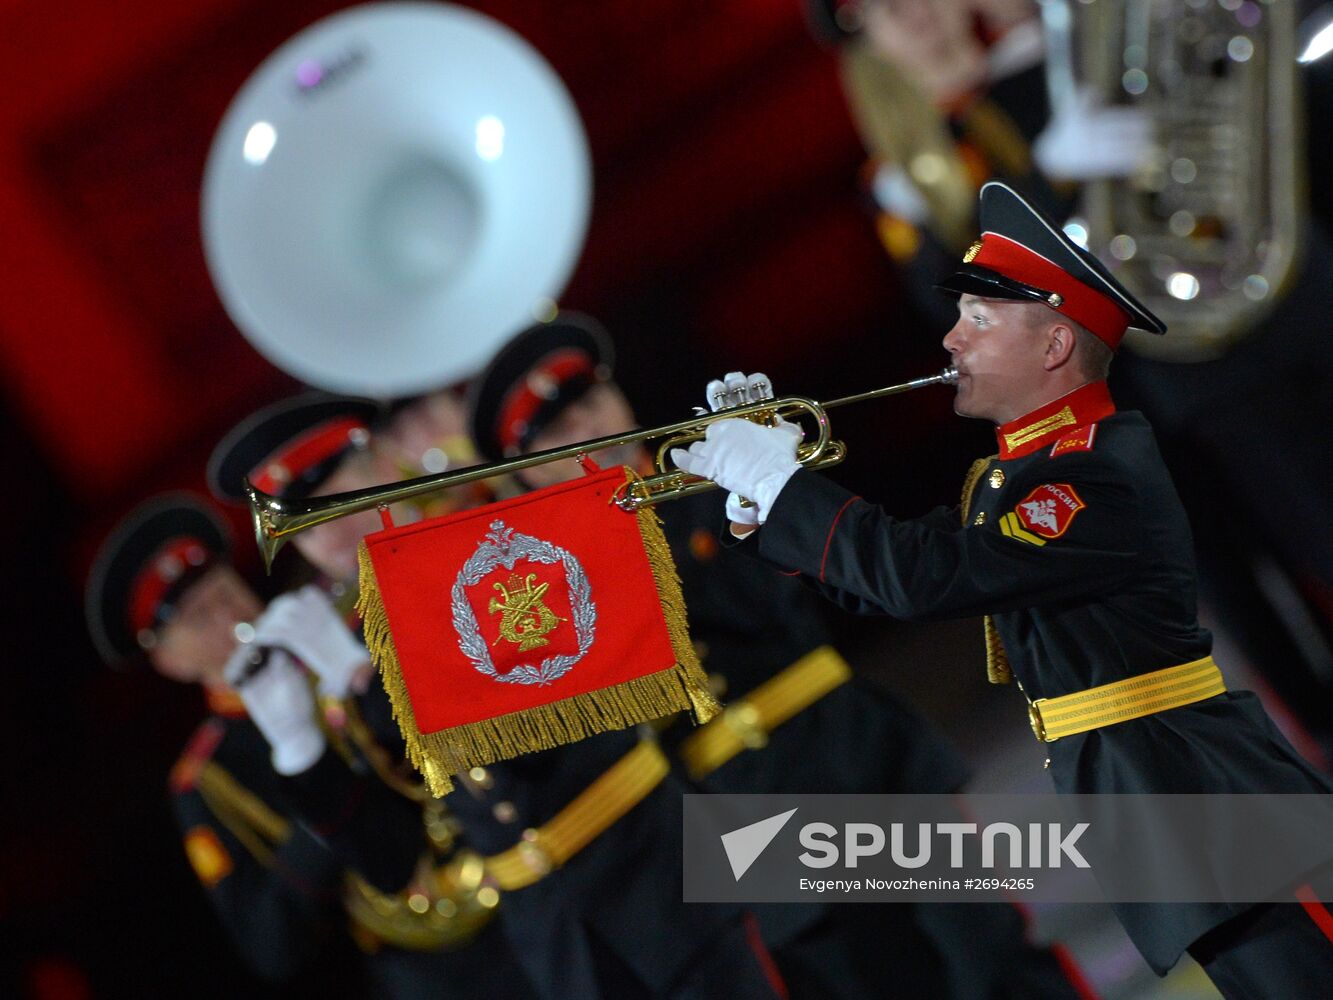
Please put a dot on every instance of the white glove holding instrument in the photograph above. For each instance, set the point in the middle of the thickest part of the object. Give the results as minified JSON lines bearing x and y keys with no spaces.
{"x":306,"y":625}
{"x":748,"y":459}
{"x":278,"y":698}
{"x":1086,"y":140}
{"x":737,"y":389}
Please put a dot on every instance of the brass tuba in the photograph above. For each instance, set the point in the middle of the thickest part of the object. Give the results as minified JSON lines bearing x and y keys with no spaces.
{"x":1207,"y":234}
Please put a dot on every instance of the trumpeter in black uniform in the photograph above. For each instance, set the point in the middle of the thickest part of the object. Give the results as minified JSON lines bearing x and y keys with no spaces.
{"x":1074,"y":543}
{"x":797,"y":719}
{"x":1215,"y":417}
{"x":577,"y":849}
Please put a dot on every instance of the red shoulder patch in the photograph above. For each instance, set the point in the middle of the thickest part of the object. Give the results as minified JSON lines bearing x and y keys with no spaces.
{"x":1076,"y":440}
{"x":1049,"y":510}
{"x":197,"y":753}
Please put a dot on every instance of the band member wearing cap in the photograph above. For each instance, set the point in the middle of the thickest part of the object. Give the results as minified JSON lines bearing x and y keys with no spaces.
{"x":433,"y":936}
{"x":312,"y":443}
{"x":811,"y":726}
{"x":162,"y":588}
{"x":1072,"y":542}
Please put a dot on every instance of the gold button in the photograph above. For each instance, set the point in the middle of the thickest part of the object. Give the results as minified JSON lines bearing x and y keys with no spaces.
{"x":980,"y":518}
{"x":505,"y":812}
{"x":996,"y":478}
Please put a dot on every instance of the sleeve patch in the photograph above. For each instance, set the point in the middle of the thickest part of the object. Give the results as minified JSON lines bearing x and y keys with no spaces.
{"x":1013,"y":528}
{"x":1076,"y":440}
{"x":208,"y":857}
{"x":1048,"y":511}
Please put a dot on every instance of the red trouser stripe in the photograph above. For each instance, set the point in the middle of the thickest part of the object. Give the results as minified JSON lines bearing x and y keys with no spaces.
{"x":761,"y":955}
{"x":1317,"y":910}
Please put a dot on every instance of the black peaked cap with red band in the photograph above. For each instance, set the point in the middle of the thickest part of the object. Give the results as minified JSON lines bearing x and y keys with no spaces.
{"x":1023,"y":255}
{"x":533,"y":378}
{"x":147,"y":562}
{"x":290,"y":447}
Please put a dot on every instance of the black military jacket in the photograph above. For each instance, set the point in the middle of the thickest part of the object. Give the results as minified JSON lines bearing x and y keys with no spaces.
{"x":279,"y":901}
{"x":272,"y":852}
{"x":1075,"y":542}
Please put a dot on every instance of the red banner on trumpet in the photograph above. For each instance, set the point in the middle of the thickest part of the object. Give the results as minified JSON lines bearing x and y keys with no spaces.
{"x":527,"y":624}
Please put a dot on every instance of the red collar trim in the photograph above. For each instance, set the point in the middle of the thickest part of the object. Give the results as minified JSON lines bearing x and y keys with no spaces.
{"x":1085,"y":405}
{"x":152,"y":583}
{"x":539,"y":386}
{"x":1081,"y":303}
{"x":225,"y":702}
{"x":305,"y":452}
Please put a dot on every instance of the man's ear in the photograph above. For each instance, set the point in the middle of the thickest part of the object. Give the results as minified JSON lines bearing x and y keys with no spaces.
{"x":1059,"y":346}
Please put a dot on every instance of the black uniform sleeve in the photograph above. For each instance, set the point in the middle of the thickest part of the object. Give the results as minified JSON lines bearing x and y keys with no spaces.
{"x":870,"y":562}
{"x":368,"y":827}
{"x":276,"y":914}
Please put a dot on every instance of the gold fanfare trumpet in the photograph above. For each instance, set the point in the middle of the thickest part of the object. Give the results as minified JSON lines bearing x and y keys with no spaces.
{"x":275,"y":519}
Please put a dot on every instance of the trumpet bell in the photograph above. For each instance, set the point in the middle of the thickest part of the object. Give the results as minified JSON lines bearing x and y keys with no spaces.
{"x":392,"y":194}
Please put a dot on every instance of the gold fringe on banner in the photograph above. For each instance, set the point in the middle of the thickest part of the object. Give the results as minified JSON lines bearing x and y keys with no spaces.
{"x":452,"y":751}
{"x":702,"y":703}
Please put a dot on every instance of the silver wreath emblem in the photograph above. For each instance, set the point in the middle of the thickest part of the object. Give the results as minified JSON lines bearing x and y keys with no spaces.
{"x":505,"y":547}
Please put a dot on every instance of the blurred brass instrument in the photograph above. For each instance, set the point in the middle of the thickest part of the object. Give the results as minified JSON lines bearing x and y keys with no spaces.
{"x":1208,"y":233}
{"x":275,"y":519}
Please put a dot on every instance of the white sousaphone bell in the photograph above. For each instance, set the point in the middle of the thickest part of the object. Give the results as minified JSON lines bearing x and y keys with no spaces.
{"x":395,"y":192}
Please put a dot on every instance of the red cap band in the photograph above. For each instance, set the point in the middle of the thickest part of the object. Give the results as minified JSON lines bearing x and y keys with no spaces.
{"x":155,"y":579}
{"x":540,"y":385}
{"x":306,"y":452}
{"x":1099,"y":313}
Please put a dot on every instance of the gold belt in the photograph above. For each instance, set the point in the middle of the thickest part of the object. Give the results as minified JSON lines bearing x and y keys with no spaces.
{"x":626,"y":783}
{"x":746,"y":722}
{"x":1121,"y":701}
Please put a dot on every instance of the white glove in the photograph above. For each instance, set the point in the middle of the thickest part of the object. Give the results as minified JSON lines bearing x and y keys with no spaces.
{"x":306,"y":625}
{"x":278,"y":699}
{"x":1085,"y":141}
{"x":737,"y":513}
{"x":737,"y":389}
{"x":746,"y":458}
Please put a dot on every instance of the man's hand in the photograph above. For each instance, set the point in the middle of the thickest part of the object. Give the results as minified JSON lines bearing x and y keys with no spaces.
{"x":279,"y":701}
{"x":745,"y":458}
{"x":306,"y":624}
{"x":737,"y":389}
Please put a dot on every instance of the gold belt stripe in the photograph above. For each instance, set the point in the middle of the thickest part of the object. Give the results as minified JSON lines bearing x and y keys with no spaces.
{"x":1121,"y":701}
{"x":621,"y":787}
{"x":746,"y":721}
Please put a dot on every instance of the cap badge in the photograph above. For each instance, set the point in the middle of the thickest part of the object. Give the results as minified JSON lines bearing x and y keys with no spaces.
{"x":972,"y":252}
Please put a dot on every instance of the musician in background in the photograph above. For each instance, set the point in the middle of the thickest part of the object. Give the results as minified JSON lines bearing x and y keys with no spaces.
{"x":812,"y":727}
{"x":1234,"y":429}
{"x":412,"y":928}
{"x":161,"y":589}
{"x":607,"y":923}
